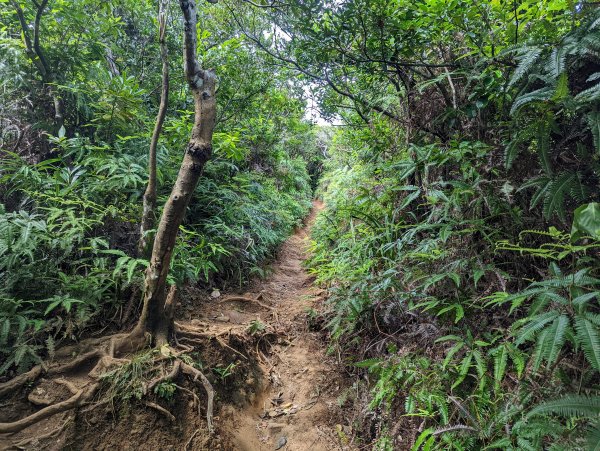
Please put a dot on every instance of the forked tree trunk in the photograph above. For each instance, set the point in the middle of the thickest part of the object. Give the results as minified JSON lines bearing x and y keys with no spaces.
{"x":155,"y":320}
{"x":149,"y":209}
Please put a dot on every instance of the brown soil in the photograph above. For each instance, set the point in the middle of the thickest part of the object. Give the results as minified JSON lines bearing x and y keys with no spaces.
{"x":276,"y":387}
{"x":299,"y":405}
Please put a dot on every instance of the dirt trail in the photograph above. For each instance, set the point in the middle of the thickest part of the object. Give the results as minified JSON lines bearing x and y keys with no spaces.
{"x":297,"y":408}
{"x":277,"y":389}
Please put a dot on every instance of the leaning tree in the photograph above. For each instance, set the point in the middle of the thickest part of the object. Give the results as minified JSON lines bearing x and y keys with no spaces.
{"x":156,"y":320}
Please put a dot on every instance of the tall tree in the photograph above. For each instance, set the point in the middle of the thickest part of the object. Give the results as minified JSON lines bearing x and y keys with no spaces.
{"x":155,"y":319}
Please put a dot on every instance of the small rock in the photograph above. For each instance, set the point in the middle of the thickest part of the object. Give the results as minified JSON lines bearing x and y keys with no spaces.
{"x":275,"y":426}
{"x":215,"y":294}
{"x":222,"y":318}
{"x":281,"y":442}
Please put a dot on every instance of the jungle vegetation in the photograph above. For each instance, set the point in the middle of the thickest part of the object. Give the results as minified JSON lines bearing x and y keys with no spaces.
{"x":459,"y":171}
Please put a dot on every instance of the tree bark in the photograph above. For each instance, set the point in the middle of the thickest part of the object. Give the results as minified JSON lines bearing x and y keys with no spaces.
{"x":154,"y":320}
{"x":35,"y":53}
{"x":149,"y":209}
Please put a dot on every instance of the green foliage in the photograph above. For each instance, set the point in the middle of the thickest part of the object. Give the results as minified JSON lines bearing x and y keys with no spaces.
{"x":255,"y":327}
{"x":72,"y":195}
{"x":562,"y":311}
{"x":166,"y":390}
{"x":223,"y":372}
{"x":451,"y":272}
{"x":574,"y":406}
{"x":126,"y":383}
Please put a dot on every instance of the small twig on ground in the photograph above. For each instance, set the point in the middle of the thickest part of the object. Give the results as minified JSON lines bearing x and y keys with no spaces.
{"x":222,"y":343}
{"x":195,"y":398}
{"x":162,"y":410}
{"x":189,"y":442}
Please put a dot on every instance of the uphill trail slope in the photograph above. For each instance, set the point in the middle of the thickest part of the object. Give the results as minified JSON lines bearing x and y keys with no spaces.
{"x":297,"y":408}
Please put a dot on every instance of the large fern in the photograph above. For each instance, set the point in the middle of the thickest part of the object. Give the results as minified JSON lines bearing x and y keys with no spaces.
{"x":574,"y":406}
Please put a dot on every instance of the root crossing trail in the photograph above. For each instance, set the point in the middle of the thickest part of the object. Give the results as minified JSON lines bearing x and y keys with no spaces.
{"x":297,"y":409}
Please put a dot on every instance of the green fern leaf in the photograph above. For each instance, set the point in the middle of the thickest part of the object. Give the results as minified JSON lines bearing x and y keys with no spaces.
{"x":526,"y":63}
{"x":535,"y":324}
{"x":586,"y":335}
{"x":500,"y":361}
{"x":556,"y":338}
{"x":511,"y":151}
{"x":593,"y":120}
{"x":555,"y":197}
{"x":570,"y":405}
{"x":539,"y":95}
{"x":557,"y":61}
{"x":593,"y":438}
{"x":543,"y":146}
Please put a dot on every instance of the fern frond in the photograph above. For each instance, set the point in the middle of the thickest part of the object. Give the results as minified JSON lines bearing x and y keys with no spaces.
{"x":555,"y":339}
{"x":590,"y":94}
{"x":569,"y":405}
{"x":557,"y":61}
{"x":593,"y":438}
{"x":593,"y":120}
{"x":586,"y":336}
{"x":539,"y":95}
{"x":535,"y":324}
{"x":526,"y":63}
{"x":543,"y":146}
{"x":554,"y":201}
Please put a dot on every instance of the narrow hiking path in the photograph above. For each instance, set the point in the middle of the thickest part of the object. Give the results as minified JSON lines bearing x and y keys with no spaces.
{"x":296,"y":406}
{"x":276,"y":387}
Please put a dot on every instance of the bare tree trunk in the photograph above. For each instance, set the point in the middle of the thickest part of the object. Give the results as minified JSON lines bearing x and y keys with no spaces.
{"x":154,"y":320}
{"x":36,"y":55}
{"x":149,"y":211}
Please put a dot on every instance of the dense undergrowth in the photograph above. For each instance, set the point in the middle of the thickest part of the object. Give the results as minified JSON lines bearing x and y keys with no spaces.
{"x":70,"y":196}
{"x":462,"y":259}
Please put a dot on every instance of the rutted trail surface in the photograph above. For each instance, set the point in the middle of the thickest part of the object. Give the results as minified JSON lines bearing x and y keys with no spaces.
{"x":296,"y":408}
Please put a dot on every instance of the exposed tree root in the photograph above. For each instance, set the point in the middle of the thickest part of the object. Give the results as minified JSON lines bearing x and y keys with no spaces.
{"x":168,"y":377}
{"x":162,"y":410}
{"x":39,"y":438}
{"x":17,"y":382}
{"x":191,"y":439}
{"x":74,"y":401}
{"x":100,"y":360}
{"x":246,"y":299}
{"x":191,"y":339}
{"x":210,"y":392}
